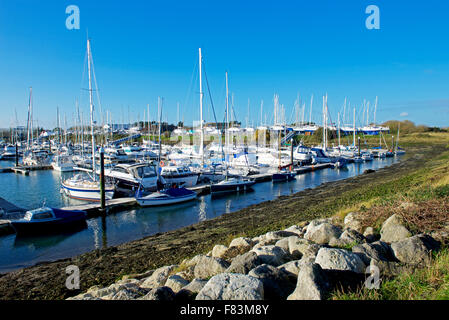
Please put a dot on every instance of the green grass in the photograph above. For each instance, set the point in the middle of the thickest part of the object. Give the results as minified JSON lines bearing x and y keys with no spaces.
{"x":430,"y":283}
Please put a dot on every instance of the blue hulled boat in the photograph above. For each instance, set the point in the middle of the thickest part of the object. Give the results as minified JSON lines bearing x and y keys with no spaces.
{"x":46,"y":220}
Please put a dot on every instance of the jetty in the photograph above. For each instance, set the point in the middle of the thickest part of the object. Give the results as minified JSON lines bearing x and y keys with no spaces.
{"x":25,"y":169}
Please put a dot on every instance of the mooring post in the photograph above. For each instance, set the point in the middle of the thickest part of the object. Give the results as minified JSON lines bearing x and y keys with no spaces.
{"x":17,"y":156}
{"x":392,"y":144}
{"x":359,"y":145}
{"x":102,"y":191}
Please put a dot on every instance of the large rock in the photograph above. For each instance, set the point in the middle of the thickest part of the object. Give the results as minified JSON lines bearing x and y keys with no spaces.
{"x":277,"y":235}
{"x":297,"y":230}
{"x":291,"y":268}
{"x":176,"y":283}
{"x":393,"y":229}
{"x":349,"y":237}
{"x":209,"y":266}
{"x":339,"y":259}
{"x":414,"y":250}
{"x":232,"y":286}
{"x":189,"y":292}
{"x":219,"y":251}
{"x":312,"y":283}
{"x":322,"y":233}
{"x":158,"y":278}
{"x":298,"y":247}
{"x":272,"y":255}
{"x":130,"y":293}
{"x":283,"y":243}
{"x":379,"y":251}
{"x":353,"y":221}
{"x":370,"y":234}
{"x":242,"y":243}
{"x":244,"y":263}
{"x":276,"y":283}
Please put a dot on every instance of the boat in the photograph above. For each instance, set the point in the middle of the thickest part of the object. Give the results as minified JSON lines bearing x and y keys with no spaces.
{"x":62,"y":163}
{"x":302,"y":155}
{"x":9,"y":152}
{"x":128,"y":177}
{"x":47,"y":219}
{"x":165,"y":197}
{"x":283,"y":175}
{"x":232,"y":185}
{"x":180,"y":175}
{"x":82,"y":188}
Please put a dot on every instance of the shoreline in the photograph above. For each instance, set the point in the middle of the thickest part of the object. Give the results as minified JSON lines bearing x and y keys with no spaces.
{"x":103,"y":267}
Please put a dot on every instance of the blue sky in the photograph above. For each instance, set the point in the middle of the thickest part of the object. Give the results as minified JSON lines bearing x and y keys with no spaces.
{"x":146,"y":49}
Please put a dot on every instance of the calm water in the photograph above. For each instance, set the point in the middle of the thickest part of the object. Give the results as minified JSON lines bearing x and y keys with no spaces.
{"x":43,"y":186}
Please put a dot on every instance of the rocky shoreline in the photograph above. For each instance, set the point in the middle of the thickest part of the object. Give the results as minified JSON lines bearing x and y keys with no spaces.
{"x":104,"y":267}
{"x":302,"y":262}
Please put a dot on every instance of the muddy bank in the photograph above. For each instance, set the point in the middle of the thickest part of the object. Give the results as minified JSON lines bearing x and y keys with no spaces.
{"x":102,"y":267}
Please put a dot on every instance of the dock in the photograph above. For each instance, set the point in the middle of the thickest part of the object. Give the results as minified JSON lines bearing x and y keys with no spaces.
{"x":114,"y":205}
{"x":25,"y":169}
{"x":200,"y":189}
{"x":313,"y":167}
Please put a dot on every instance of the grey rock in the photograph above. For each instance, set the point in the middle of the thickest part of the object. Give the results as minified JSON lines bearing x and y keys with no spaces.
{"x":370,"y":234}
{"x":322,"y":233}
{"x":232,"y":286}
{"x":219,"y":251}
{"x":353,"y":221}
{"x":393,"y":229}
{"x":159,"y":294}
{"x":158,"y":278}
{"x":312,"y":283}
{"x":244,"y":263}
{"x":272,"y":255}
{"x":176,"y":283}
{"x":276,"y":283}
{"x":283,"y":243}
{"x":209,"y":266}
{"x":414,"y":250}
{"x":243,"y":243}
{"x":377,"y":250}
{"x":339,"y":259}
{"x":297,"y":230}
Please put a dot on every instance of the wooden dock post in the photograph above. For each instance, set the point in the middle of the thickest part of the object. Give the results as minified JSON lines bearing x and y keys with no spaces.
{"x":17,"y":156}
{"x":102,"y":191}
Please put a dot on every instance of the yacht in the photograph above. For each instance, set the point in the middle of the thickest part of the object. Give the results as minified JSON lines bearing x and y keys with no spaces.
{"x":179,"y":175}
{"x":128,"y":177}
{"x":62,"y":163}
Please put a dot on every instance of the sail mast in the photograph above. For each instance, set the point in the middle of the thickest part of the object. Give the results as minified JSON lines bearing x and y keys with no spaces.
{"x":91,"y":108}
{"x":201,"y":110}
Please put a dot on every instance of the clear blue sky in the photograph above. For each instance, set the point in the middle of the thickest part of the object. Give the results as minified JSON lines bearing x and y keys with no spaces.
{"x":146,"y":49}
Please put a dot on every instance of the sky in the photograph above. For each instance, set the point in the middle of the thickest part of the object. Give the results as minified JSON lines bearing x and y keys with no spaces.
{"x":143,"y":50}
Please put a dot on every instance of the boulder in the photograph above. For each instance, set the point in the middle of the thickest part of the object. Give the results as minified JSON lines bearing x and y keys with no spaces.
{"x":312,"y":283}
{"x":219,"y":251}
{"x":389,"y":268}
{"x":393,"y":229}
{"x":272,"y":255}
{"x":297,"y":230}
{"x":244,"y":263}
{"x":158,"y":278}
{"x":129,"y":294}
{"x":277,"y":235}
{"x":209,"y":266}
{"x":232,"y":286}
{"x":414,"y":250}
{"x":349,"y":237}
{"x":298,"y":247}
{"x":277,"y":284}
{"x":159,"y":294}
{"x":291,"y":268}
{"x":322,"y":233}
{"x":370,"y":234}
{"x":243,"y":243}
{"x":176,"y":283}
{"x":353,"y":221}
{"x":339,"y":259}
{"x":379,"y":251}
{"x":283,"y":243}
{"x":189,"y":292}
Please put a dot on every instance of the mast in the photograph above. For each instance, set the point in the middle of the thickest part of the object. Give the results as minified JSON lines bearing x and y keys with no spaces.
{"x":310,"y":116}
{"x":375,"y":110}
{"x":201,"y":110}
{"x":339,"y":144}
{"x":354,"y":130}
{"x":91,"y":108}
{"x":227,"y":125}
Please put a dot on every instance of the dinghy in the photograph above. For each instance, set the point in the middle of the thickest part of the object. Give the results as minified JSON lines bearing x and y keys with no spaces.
{"x":232,"y":185}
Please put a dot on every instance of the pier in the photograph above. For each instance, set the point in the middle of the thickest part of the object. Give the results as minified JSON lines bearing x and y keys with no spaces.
{"x":25,"y":169}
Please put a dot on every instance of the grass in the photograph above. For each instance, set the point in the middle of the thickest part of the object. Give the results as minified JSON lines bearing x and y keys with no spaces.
{"x":430,"y":283}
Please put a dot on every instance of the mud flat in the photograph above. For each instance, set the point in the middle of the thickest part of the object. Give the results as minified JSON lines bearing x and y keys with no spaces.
{"x":103,"y":267}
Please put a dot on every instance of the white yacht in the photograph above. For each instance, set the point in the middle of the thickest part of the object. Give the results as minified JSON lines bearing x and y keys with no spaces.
{"x":182,"y":176}
{"x":128,"y":177}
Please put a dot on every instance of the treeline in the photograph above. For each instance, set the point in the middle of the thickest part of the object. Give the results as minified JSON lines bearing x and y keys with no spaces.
{"x":408,"y":126}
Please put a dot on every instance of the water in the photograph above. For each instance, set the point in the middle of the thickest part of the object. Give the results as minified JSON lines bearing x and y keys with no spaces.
{"x":31,"y":192}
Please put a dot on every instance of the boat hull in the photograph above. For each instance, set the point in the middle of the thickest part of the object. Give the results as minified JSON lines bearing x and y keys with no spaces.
{"x":152,"y":202}
{"x":86,"y":194}
{"x":216,"y":188}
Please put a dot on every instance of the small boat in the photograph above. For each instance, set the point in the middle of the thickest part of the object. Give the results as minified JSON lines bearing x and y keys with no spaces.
{"x":82,"y":188}
{"x":232,"y":185}
{"x":283,"y":175}
{"x":47,"y":219}
{"x":340,"y":163}
{"x":165,"y":197}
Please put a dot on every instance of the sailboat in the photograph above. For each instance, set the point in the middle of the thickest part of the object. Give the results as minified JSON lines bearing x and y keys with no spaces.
{"x":233,"y":184}
{"x":81,"y":187}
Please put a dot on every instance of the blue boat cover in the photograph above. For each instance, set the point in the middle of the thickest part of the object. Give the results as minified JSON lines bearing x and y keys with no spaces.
{"x":178,"y":192}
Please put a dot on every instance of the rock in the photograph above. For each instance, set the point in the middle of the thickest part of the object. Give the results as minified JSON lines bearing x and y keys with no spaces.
{"x":244,"y":263}
{"x":339,"y":259}
{"x":322,"y":233}
{"x":379,"y":251}
{"x":283,"y":243}
{"x":159,"y":294}
{"x":291,"y":268}
{"x":232,"y":286}
{"x":158,"y":278}
{"x":298,"y":247}
{"x":243,"y":243}
{"x":441,"y":236}
{"x":83,"y":296}
{"x":297,"y":230}
{"x":176,"y":283}
{"x":370,"y":235}
{"x":219,"y":251}
{"x":209,"y":266}
{"x":272,"y":255}
{"x":138,"y":276}
{"x":353,"y":221}
{"x":129,"y":294}
{"x":414,"y":250}
{"x":393,"y":229}
{"x":389,"y":268}
{"x":349,"y":237}
{"x":189,"y":292}
{"x":276,"y":283}
{"x":312,"y":283}
{"x":277,"y":235}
